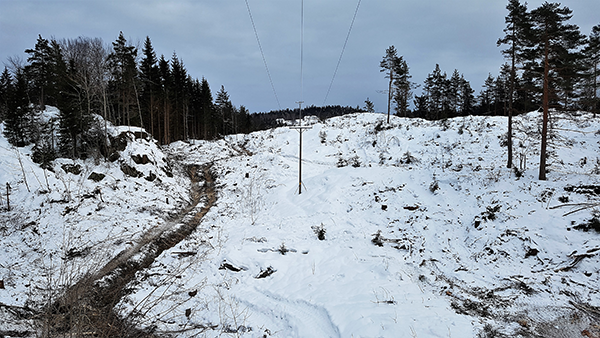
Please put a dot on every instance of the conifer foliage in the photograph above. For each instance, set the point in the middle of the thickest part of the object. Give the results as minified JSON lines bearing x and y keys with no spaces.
{"x":84,"y":78}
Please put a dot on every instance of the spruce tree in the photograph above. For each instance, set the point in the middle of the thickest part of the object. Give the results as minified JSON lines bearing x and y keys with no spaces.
{"x":16,"y":123}
{"x":467,"y":99}
{"x":39,"y":69}
{"x":123,"y":68}
{"x":369,"y":106}
{"x":6,"y":88}
{"x":179,"y":95}
{"x":164,"y":72}
{"x":434,"y":92}
{"x":591,"y":63}
{"x":207,"y":108}
{"x":224,"y":110}
{"x":150,"y":81}
{"x":402,"y":87}
{"x":73,"y":122}
{"x":486,"y":96}
{"x":453,"y":94}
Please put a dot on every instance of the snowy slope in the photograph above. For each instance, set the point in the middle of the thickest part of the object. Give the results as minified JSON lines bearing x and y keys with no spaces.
{"x":63,"y":225}
{"x":426,"y":232}
{"x":464,"y":241}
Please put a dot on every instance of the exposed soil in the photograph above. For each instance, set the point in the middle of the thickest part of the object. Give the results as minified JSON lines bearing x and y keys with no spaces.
{"x":87,"y":308}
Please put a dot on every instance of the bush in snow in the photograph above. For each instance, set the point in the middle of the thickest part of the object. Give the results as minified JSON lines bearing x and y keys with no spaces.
{"x":283,"y":249}
{"x":323,"y":136}
{"x":319,"y":231}
{"x":434,"y":186}
{"x":591,"y":224}
{"x":407,"y":158}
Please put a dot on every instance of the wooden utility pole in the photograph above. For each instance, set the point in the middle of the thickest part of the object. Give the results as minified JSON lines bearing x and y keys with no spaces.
{"x":8,"y":195}
{"x":300,"y":129}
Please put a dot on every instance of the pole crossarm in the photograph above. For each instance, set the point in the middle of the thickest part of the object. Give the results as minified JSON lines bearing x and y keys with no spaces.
{"x":300,"y":128}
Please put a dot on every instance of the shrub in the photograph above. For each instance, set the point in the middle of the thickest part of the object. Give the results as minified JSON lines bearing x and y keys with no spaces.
{"x":323,"y":136}
{"x":319,"y":231}
{"x":591,"y":224}
{"x":434,"y":186}
{"x":377,"y":239}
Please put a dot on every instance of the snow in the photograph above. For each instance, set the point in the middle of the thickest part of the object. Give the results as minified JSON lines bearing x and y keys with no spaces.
{"x":465,"y":242}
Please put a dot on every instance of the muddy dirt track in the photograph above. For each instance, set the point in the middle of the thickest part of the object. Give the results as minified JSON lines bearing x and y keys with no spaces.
{"x":86,"y":308}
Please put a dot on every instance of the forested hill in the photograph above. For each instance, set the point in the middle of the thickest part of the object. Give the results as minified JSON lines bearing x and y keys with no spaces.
{"x":262,"y":121}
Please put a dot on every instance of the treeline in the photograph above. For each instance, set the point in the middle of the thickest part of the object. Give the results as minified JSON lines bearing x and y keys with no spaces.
{"x":547,"y":58}
{"x":262,"y":121}
{"x":83,"y":77}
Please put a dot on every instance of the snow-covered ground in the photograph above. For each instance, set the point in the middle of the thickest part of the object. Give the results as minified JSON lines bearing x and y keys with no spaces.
{"x":424,"y":231}
{"x":63,"y":224}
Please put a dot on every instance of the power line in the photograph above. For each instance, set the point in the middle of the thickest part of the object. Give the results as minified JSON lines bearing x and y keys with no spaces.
{"x":301,"y":49}
{"x":263,"y":55}
{"x":342,"y":54}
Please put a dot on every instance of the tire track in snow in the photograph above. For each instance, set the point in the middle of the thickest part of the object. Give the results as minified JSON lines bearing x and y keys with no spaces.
{"x":98,"y":293}
{"x":298,"y":317}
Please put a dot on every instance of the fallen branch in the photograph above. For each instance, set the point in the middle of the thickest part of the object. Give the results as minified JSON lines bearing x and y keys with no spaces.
{"x":590,"y":310}
{"x":581,"y":207}
{"x":577,"y":259}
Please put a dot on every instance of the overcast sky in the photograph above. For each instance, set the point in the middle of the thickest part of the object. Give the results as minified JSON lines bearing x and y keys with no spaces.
{"x":215,"y":39}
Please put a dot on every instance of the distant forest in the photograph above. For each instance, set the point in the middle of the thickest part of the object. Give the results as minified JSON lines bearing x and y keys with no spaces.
{"x":549,"y":65}
{"x":547,"y":59}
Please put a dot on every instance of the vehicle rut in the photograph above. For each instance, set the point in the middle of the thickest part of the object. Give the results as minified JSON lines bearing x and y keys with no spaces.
{"x":87,"y":307}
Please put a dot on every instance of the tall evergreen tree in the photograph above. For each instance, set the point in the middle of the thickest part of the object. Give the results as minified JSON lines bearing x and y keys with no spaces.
{"x":435,"y":84}
{"x":224,"y":110}
{"x":18,"y":115}
{"x":150,"y":80}
{"x":74,"y":122}
{"x":486,"y":96}
{"x":467,"y":100}
{"x":39,"y":69}
{"x":123,"y":68}
{"x":389,"y":65}
{"x":402,"y":87}
{"x":164,"y":71}
{"x":592,"y":63}
{"x":6,"y":88}
{"x":369,"y":106}
{"x":554,"y":43}
{"x":453,"y":88}
{"x":516,"y":30}
{"x":207,"y":109}
{"x":179,"y":95}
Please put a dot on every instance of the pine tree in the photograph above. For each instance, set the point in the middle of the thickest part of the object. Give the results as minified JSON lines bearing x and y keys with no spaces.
{"x":389,"y":65}
{"x":517,"y":27}
{"x":554,"y":46}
